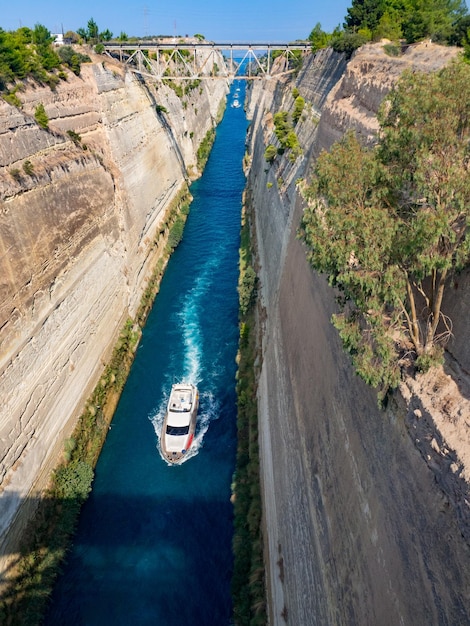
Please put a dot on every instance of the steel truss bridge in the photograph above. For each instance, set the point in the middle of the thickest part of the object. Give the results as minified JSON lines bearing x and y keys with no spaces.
{"x":201,"y":60}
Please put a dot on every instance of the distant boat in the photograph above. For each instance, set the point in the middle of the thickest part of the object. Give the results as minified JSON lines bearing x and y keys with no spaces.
{"x":179,"y":423}
{"x":236,"y":103}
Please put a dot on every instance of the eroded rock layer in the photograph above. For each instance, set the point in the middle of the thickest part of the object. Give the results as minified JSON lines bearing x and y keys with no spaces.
{"x":81,"y":206}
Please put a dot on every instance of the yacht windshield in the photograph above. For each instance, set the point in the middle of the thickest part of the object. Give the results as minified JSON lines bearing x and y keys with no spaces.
{"x":177,"y":430}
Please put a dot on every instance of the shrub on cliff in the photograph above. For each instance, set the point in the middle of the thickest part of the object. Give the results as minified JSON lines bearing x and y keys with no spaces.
{"x":72,"y":59}
{"x":12,"y":99}
{"x":247,"y":289}
{"x":205,"y":148}
{"x":28,"y":168}
{"x":15,"y":174}
{"x":281,"y":126}
{"x":270,"y":153}
{"x":75,"y":137}
{"x":286,"y":135}
{"x":176,"y":233}
{"x":388,"y":225}
{"x":248,"y":579}
{"x":298,"y":109}
{"x":73,"y":481}
{"x":40,"y":116}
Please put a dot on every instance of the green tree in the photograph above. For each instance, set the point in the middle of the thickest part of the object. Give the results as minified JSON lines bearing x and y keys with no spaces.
{"x":414,"y":19}
{"x":41,"y":35}
{"x":434,"y":19}
{"x":298,"y":109}
{"x":12,"y":61}
{"x":48,"y":58}
{"x":388,"y":27}
{"x":388,"y":225}
{"x":347,"y":42}
{"x":466,"y":45}
{"x":319,"y":38}
{"x":23,"y":34}
{"x":82,"y":33}
{"x":460,"y":35}
{"x":364,"y":14}
{"x":106,"y":35}
{"x":92,"y":31}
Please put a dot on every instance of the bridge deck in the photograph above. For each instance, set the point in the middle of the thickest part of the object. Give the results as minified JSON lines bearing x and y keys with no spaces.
{"x":153,"y":45}
{"x":190,"y":60}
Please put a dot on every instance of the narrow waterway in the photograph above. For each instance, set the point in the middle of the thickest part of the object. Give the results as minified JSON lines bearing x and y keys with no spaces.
{"x":154,"y":541}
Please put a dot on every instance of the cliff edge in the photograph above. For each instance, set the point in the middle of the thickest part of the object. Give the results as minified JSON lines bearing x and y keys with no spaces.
{"x":365,"y":509}
{"x":81,"y":207}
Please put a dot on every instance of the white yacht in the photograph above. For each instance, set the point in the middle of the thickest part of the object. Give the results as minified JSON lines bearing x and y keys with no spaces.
{"x":179,"y":423}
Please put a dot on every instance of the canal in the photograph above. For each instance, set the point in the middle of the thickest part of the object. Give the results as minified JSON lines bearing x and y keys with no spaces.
{"x":154,"y":541}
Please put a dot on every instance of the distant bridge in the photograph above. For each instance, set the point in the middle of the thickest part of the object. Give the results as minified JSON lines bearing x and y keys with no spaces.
{"x":185,"y":60}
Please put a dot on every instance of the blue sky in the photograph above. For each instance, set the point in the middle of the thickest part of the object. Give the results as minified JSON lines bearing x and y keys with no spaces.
{"x":218,"y":20}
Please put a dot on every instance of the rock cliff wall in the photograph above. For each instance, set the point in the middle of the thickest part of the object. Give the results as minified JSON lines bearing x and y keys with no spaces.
{"x":79,"y":214}
{"x":366,"y":517}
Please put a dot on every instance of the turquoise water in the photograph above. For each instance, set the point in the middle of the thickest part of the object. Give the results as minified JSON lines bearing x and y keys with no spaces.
{"x":154,"y":541}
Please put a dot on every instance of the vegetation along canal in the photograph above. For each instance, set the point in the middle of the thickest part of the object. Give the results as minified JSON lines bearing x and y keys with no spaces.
{"x":154,"y":541}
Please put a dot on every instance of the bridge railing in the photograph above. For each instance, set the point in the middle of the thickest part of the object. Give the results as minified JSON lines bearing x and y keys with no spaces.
{"x":189,"y":61}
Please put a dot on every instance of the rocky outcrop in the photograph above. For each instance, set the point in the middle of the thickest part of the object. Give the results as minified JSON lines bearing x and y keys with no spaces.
{"x":355,"y":99}
{"x":81,"y":206}
{"x":366,"y":511}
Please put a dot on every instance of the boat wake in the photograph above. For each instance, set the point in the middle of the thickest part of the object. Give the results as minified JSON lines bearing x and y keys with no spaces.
{"x":189,"y":368}
{"x":190,"y":324}
{"x":208,"y":411}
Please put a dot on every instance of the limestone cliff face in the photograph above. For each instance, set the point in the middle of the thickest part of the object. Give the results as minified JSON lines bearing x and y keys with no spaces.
{"x":365,"y":512}
{"x":77,"y":224}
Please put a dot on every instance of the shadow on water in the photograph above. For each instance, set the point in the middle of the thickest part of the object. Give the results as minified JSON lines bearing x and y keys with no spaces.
{"x":155,"y":581}
{"x":135,"y":561}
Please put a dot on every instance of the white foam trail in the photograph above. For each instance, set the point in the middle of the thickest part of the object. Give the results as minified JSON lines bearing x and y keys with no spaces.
{"x":190,"y":322}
